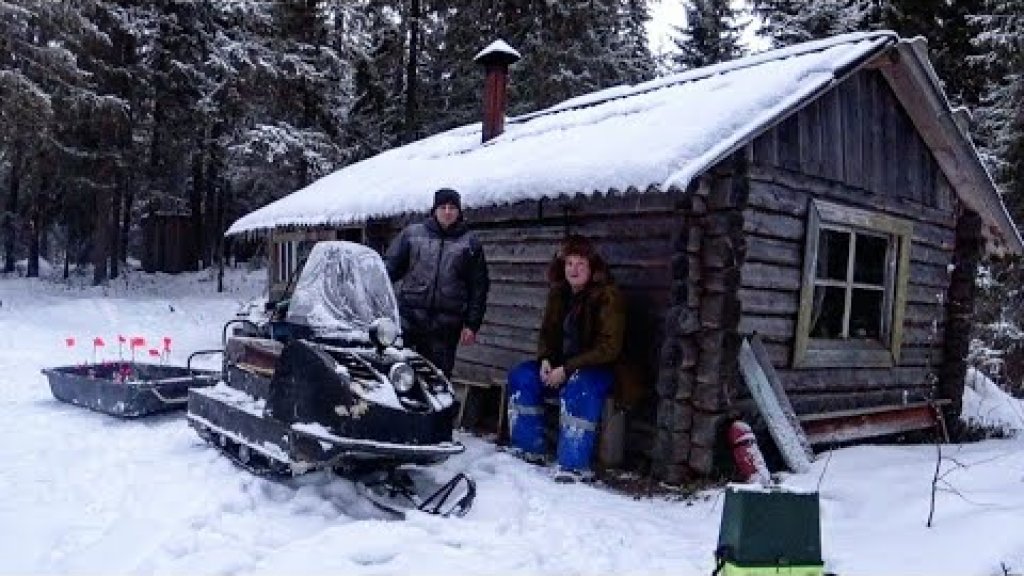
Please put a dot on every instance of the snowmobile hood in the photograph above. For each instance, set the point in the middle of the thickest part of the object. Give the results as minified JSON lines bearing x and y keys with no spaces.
{"x":342,"y":289}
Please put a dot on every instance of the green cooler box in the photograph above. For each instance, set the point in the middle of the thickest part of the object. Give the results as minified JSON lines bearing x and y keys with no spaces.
{"x":769,"y":531}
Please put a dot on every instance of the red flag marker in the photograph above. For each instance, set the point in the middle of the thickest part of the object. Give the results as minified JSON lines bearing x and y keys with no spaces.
{"x":98,"y":341}
{"x":121,"y":339}
{"x":167,"y":343}
{"x":138,"y":341}
{"x":70,"y":341}
{"x":154,"y":352}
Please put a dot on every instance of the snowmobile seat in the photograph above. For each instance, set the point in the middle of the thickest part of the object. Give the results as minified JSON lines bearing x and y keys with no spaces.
{"x":258,"y":355}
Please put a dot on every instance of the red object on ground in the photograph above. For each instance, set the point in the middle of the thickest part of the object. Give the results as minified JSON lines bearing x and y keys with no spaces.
{"x":746,"y":455}
{"x":154,"y":352}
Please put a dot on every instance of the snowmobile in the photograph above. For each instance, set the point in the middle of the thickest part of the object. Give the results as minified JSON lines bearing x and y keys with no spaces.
{"x":324,"y":383}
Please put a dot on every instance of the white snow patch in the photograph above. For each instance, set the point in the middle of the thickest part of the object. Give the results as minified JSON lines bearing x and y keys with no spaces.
{"x":86,"y":493}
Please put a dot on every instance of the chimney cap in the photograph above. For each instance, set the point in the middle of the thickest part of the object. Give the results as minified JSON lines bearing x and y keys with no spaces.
{"x":499,"y":53}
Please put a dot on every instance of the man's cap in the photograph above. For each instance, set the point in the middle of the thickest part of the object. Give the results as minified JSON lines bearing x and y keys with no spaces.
{"x":447,"y":196}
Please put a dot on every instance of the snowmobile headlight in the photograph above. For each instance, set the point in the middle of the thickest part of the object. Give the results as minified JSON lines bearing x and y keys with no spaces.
{"x":383,"y":332}
{"x":402,"y":377}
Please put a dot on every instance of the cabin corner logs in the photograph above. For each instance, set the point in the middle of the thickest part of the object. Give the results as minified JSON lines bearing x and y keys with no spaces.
{"x":703,"y":267}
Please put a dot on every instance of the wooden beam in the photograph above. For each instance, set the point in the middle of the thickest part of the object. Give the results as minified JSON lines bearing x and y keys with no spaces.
{"x":850,"y":425}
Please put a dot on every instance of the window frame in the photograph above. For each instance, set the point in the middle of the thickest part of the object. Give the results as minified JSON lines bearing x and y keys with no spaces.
{"x":809,"y":352}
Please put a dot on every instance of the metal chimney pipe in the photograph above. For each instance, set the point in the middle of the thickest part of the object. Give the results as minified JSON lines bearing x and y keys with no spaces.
{"x":495,"y":58}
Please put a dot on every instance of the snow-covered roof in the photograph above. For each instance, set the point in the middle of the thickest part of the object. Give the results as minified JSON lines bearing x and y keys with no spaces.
{"x":660,"y":134}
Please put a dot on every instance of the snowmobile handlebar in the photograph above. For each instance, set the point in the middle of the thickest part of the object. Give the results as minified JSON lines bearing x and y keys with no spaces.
{"x":188,"y":363}
{"x":243,"y":321}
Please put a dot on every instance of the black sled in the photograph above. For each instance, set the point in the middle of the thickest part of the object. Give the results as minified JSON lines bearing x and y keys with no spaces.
{"x":328,"y":387}
{"x":126,"y":389}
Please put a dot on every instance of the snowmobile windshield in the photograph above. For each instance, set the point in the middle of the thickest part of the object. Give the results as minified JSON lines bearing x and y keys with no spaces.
{"x":343,"y":288}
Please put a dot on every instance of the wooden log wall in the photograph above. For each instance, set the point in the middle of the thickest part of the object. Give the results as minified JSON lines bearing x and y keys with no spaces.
{"x":959,"y":309}
{"x":853,"y":146}
{"x":633,"y":232}
{"x":699,"y":371}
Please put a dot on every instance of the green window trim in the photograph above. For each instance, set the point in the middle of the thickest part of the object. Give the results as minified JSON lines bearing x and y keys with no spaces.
{"x":890,"y":289}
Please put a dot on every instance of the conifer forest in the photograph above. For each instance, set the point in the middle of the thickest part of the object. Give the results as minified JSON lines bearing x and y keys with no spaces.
{"x":114,"y":109}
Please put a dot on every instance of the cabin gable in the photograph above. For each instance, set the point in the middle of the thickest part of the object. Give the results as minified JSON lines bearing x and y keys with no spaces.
{"x":850,"y":167}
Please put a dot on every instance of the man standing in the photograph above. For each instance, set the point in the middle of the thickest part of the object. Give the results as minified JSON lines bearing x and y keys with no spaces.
{"x":444,"y":282}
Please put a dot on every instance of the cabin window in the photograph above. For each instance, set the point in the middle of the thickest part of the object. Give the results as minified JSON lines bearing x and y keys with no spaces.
{"x":853,"y":295}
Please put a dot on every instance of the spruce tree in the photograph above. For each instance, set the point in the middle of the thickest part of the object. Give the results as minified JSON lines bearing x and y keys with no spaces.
{"x":711,"y":34}
{"x":1001,"y":116}
{"x":787,"y":22}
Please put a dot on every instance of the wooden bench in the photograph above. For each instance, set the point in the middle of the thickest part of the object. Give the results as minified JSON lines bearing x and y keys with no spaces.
{"x":862,"y":423}
{"x":611,"y":431}
{"x":465,"y":387}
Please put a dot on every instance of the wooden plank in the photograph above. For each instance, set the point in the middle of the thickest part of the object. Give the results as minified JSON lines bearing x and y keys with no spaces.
{"x":492,"y":356}
{"x":816,"y":401}
{"x":771,"y":276}
{"x":874,"y":143}
{"x":765,"y":362}
{"x":847,"y":426}
{"x":853,"y":379}
{"x":927,"y":356}
{"x":831,"y":130}
{"x":924,"y":274}
{"x":786,"y":438}
{"x":930,"y":255}
{"x":761,"y":302}
{"x":809,"y":124}
{"x":925,"y":294}
{"x":764,"y":149}
{"x":772,"y":197}
{"x":774,"y":328}
{"x":789,"y":143}
{"x":792,"y":187}
{"x":773,"y":225}
{"x":774,"y":251}
{"x":853,"y":149}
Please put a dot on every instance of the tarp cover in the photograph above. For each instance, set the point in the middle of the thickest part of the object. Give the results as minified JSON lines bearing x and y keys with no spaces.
{"x":342,"y":289}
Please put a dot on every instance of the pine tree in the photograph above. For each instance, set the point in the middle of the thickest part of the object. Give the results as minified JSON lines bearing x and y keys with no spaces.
{"x":711,"y":34}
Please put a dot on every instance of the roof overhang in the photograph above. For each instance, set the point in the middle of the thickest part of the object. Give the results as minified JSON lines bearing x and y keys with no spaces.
{"x":909,"y":72}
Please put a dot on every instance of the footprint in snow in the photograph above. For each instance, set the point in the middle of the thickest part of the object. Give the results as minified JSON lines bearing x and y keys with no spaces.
{"x":373,"y":558}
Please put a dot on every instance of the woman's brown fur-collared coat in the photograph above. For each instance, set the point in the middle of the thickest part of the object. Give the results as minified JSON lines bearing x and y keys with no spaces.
{"x":601,"y":324}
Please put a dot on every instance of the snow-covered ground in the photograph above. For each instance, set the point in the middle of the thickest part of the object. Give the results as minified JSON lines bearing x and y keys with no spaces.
{"x":85,"y":493}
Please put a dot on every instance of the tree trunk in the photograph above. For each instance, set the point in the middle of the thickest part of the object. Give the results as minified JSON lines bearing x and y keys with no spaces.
{"x":101,"y":235}
{"x":195,"y":204}
{"x":410,"y":71}
{"x":126,"y":221}
{"x":10,"y":210}
{"x":115,"y":230}
{"x":34,"y":229}
{"x":219,"y":250}
{"x":67,"y":253}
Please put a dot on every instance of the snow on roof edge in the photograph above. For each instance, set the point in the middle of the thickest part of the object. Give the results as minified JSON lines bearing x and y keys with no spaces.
{"x":681,"y":178}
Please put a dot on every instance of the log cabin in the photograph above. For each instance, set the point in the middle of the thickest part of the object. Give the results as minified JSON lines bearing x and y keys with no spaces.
{"x":824,"y":197}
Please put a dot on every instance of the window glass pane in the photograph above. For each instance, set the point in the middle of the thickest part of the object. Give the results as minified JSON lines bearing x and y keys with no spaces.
{"x":866,"y":313}
{"x":869,"y":259}
{"x":827,"y":312}
{"x":833,"y":252}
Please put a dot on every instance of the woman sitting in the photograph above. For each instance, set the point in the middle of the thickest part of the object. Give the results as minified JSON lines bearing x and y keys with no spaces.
{"x":580,"y":340}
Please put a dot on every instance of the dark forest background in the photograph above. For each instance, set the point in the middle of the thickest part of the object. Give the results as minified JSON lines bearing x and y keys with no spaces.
{"x":114,"y":109}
